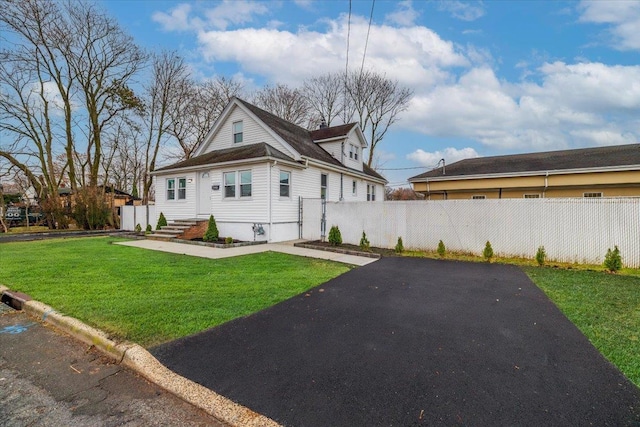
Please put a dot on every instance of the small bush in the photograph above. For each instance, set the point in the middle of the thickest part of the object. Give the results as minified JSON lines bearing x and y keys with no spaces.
{"x":364,"y":242}
{"x":138,"y":228}
{"x":442,"y":251}
{"x":399,"y":246}
{"x":148,"y":229}
{"x":162,"y":221}
{"x":211,"y":235}
{"x":335,"y":237}
{"x":487,"y":253}
{"x":613,"y":260}
{"x":541,"y":255}
{"x":228,"y":240}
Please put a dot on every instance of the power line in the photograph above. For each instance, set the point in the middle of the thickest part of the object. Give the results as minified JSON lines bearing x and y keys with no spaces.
{"x":403,"y":169}
{"x":366,"y":43}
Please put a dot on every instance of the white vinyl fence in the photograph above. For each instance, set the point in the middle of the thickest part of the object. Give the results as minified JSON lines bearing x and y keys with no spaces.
{"x":132,"y":215}
{"x":571,"y":230}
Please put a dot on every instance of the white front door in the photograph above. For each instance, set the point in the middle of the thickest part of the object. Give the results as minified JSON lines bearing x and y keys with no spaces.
{"x":204,"y":193}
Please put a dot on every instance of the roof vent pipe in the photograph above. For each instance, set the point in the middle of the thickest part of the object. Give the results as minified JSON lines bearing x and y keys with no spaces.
{"x":323,"y":124}
{"x":443,"y":165}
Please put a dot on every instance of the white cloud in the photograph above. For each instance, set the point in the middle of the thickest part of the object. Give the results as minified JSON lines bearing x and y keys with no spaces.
{"x":220,"y":17}
{"x":623,"y":16}
{"x":234,"y":12}
{"x":413,"y":55}
{"x":405,"y":15}
{"x":574,"y":105}
{"x":465,"y":11}
{"x":450,"y":155}
{"x":176,"y":20}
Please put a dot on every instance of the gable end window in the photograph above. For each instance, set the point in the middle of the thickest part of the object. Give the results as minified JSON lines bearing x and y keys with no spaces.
{"x":592,"y":194}
{"x":285,"y":183}
{"x":181,"y":194}
{"x":237,"y":132}
{"x":353,"y":152}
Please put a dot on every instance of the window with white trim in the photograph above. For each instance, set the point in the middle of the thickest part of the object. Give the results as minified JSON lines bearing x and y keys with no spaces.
{"x":592,"y":194}
{"x":245,"y":183}
{"x":532,"y":196}
{"x":181,"y":194}
{"x":229,"y":184}
{"x":354,"y":188}
{"x":323,"y":186}
{"x":237,"y":183}
{"x":353,"y":152}
{"x":371,"y":193}
{"x":171,"y":189}
{"x":237,"y":132}
{"x":478,"y":197}
{"x":285,"y":183}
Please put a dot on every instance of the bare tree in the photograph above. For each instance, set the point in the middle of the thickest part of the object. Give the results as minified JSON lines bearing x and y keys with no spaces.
{"x":195,"y":108}
{"x":287,"y":103}
{"x":64,"y":75}
{"x":325,"y":97}
{"x":170,"y":77}
{"x":377,"y":101}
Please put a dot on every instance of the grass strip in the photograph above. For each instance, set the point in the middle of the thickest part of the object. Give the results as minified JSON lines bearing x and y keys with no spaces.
{"x":151,"y":297}
{"x":605,"y":307}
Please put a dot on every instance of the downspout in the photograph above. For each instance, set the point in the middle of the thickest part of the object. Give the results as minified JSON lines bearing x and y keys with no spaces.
{"x":341,"y":174}
{"x":269,"y":195}
{"x":428,"y":191}
{"x":546,"y":184}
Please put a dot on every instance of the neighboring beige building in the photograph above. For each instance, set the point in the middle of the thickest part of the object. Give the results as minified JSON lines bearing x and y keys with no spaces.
{"x":589,"y":172}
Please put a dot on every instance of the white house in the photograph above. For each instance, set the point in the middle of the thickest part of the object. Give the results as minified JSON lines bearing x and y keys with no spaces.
{"x":253,"y":168}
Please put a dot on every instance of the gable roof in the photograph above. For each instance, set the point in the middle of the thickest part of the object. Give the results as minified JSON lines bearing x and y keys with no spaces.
{"x":251,"y":151}
{"x":583,"y":158}
{"x":296,"y":137}
{"x":331,"y":132}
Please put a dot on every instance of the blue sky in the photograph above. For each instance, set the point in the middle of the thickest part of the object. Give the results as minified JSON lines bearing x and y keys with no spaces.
{"x":490,"y":77}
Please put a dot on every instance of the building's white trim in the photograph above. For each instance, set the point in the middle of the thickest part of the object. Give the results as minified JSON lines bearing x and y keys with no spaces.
{"x":346,"y":171}
{"x":528,"y":173}
{"x":230,"y":163}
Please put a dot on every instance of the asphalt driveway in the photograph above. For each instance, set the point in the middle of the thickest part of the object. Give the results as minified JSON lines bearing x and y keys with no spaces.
{"x":405,"y":342}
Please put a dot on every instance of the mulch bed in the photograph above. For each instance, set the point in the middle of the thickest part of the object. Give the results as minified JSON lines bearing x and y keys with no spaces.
{"x":348,"y":249}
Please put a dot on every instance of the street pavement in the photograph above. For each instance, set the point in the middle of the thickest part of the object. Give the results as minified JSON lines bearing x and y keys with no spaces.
{"x":50,"y":379}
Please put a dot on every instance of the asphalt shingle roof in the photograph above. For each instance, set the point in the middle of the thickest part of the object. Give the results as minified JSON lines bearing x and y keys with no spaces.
{"x":331,"y":132}
{"x":618,"y":155}
{"x":251,"y":151}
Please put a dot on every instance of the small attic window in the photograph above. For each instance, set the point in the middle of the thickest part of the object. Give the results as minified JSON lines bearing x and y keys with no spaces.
{"x":237,"y":132}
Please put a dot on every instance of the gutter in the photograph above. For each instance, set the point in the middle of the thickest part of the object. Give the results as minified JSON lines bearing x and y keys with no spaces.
{"x":347,"y":171}
{"x":223,"y":164}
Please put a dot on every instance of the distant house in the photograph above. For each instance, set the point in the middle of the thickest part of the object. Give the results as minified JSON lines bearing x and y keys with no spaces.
{"x":253,"y":168}
{"x":589,"y":172}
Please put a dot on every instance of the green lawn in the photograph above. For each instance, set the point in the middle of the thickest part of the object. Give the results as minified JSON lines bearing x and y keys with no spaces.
{"x":151,"y":297}
{"x":605,"y":307}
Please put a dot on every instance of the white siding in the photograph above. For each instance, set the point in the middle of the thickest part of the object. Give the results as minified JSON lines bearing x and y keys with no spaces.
{"x":176,"y":209}
{"x":349,"y":162}
{"x":253,"y":133}
{"x":251,"y":209}
{"x":333,"y":148}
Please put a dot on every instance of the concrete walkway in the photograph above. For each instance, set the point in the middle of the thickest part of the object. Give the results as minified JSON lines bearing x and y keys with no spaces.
{"x":216,"y":253}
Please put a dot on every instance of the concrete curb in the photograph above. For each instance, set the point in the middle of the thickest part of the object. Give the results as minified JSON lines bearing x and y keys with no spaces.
{"x":141,"y":361}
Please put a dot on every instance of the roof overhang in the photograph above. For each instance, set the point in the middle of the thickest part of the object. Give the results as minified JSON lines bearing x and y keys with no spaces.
{"x":347,"y":171}
{"x":221,"y":165}
{"x":623,"y":168}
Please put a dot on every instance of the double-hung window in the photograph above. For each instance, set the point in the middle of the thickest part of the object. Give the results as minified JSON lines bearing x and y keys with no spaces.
{"x":182,"y":188}
{"x":323,"y":186}
{"x":371,"y":193}
{"x":353,"y":152}
{"x":245,"y":183}
{"x":171,"y":189}
{"x":285,"y":183}
{"x":354,"y":188}
{"x":237,"y":132}
{"x":237,"y":183}
{"x":229,"y":184}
